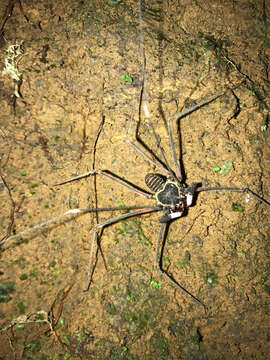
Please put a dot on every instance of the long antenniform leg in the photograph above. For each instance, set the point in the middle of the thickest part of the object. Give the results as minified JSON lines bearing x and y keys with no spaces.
{"x":71,"y":214}
{"x":163,"y":166}
{"x":233,"y":188}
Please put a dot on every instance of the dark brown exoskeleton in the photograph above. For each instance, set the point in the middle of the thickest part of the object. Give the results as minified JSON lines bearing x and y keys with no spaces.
{"x":171,"y":195}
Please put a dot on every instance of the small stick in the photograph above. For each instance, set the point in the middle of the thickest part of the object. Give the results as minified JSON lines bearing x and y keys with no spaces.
{"x":12,"y":210}
{"x":74,"y":213}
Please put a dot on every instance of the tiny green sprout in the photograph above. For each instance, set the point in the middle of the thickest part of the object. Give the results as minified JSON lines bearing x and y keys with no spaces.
{"x":156,"y":284}
{"x":52,"y":66}
{"x":157,"y":10}
{"x":120,"y":231}
{"x":265,"y":122}
{"x":20,"y":326}
{"x":185,"y":262}
{"x":237,"y":207}
{"x":34,"y":186}
{"x":33,"y":273}
{"x":4,"y":298}
{"x":266,"y":288}
{"x":33,"y":346}
{"x":57,"y":271}
{"x":216,"y":168}
{"x":181,"y":264}
{"x":61,"y":322}
{"x":112,"y":160}
{"x":66,"y":340}
{"x":115,"y":2}
{"x":226,"y":167}
{"x":40,"y":316}
{"x":44,"y":61}
{"x":126,"y":78}
{"x":128,"y":297}
{"x":23,"y":277}
{"x":32,"y":193}
{"x":211,"y":277}
{"x":57,"y":137}
{"x":80,"y":336}
{"x":195,"y":339}
{"x":23,"y":173}
{"x":111,"y":307}
{"x":21,"y":307}
{"x":5,"y":289}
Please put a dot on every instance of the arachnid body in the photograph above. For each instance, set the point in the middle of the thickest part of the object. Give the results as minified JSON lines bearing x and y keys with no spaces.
{"x":170,"y":195}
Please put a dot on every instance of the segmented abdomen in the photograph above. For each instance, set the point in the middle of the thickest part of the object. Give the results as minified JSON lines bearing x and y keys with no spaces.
{"x":155,"y":182}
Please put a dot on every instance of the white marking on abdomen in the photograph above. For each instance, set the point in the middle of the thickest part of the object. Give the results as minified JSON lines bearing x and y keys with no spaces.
{"x":189,"y":199}
{"x":175,"y":215}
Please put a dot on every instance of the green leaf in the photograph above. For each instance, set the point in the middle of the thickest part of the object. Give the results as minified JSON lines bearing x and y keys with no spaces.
{"x":216,"y":168}
{"x":115,"y":2}
{"x":33,"y":346}
{"x":156,"y":284}
{"x":237,"y":207}
{"x":21,"y":307}
{"x":20,"y":326}
{"x":226,"y":167}
{"x":126,"y":78}
{"x":5,"y":289}
{"x":4,"y":298}
{"x":23,"y":277}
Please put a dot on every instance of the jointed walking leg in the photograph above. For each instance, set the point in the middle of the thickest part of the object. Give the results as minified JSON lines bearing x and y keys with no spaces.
{"x":155,"y":162}
{"x":178,"y":116}
{"x":114,"y":220}
{"x":113,"y":177}
{"x":158,"y":263}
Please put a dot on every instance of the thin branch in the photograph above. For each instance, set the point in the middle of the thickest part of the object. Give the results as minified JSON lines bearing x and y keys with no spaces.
{"x":12,"y":209}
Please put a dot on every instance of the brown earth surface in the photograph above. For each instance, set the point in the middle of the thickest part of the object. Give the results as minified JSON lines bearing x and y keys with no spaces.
{"x":75,"y":54}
